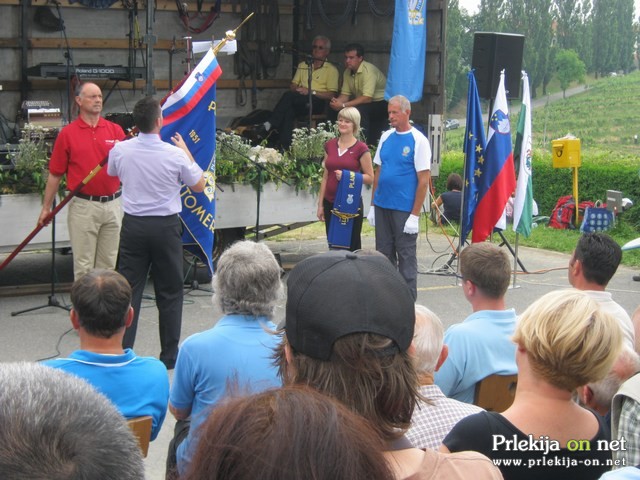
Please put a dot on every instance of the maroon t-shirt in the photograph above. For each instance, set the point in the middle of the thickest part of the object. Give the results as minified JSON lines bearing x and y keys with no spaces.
{"x":349,"y":160}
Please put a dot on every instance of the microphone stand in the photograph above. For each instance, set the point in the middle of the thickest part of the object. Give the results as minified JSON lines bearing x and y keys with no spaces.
{"x":309,"y":60}
{"x":53,"y":300}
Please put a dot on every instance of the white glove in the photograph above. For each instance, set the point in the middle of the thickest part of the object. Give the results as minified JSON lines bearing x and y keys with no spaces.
{"x":412,"y":225}
{"x":371,"y":216}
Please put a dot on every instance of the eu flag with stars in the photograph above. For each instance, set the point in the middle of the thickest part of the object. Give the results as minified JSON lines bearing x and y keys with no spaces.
{"x":474,"y":148}
{"x":191,"y":111}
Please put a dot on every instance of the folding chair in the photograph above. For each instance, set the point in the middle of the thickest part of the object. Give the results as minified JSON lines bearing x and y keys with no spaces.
{"x":495,"y":393}
{"x":141,"y":428}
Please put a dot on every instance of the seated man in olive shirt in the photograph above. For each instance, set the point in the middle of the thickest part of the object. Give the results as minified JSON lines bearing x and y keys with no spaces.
{"x":363,"y":87}
{"x":295,"y":102}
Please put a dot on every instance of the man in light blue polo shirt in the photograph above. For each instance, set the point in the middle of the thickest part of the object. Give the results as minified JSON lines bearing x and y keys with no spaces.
{"x":235,"y":356}
{"x":481,"y":345}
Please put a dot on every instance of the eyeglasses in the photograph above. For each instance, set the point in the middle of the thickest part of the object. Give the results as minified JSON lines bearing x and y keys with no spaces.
{"x":317,"y":47}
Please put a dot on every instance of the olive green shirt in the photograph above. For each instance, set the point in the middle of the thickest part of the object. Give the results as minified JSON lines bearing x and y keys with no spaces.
{"x":368,"y":81}
{"x":323,"y":79}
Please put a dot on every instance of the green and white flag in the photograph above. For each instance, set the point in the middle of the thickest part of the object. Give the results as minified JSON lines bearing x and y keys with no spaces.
{"x":523,"y":202}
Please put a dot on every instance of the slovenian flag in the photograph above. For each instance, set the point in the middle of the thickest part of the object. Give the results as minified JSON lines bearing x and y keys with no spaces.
{"x":523,"y":202}
{"x":191,"y":111}
{"x":474,"y":149}
{"x":408,"y":50}
{"x":495,"y":175}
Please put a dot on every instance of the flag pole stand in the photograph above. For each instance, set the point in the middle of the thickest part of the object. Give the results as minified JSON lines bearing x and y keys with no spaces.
{"x":515,"y":262}
{"x":505,"y":242}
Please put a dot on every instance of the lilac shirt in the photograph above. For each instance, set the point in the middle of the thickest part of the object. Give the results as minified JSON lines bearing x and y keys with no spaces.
{"x":152,"y":173}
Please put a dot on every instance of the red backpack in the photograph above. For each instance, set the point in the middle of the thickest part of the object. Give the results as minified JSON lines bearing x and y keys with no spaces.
{"x":562,"y":214}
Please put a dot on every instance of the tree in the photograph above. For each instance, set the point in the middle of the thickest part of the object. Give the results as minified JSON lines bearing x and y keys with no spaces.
{"x":569,"y":68}
{"x":533,"y":19}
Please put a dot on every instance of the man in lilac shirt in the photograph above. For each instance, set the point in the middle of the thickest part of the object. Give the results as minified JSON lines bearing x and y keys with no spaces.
{"x":152,"y":173}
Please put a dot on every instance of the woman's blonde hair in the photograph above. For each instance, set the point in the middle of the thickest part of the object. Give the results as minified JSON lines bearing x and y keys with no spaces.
{"x":569,"y":340}
{"x":352,"y":115}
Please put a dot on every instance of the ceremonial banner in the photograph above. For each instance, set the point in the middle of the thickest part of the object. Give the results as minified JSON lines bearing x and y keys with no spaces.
{"x":346,"y":207}
{"x":474,"y":147}
{"x":408,"y":50}
{"x":191,"y":111}
{"x":523,"y":202}
{"x":495,"y":175}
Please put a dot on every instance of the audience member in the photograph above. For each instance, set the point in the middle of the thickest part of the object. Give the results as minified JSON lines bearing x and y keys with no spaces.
{"x":564,"y":341}
{"x":355,"y":349}
{"x":399,"y":189}
{"x":481,"y":345}
{"x":101,"y":312}
{"x":626,"y":473}
{"x":635,"y":320}
{"x":57,"y":427}
{"x":363,"y":87}
{"x":94,"y":216}
{"x":592,"y":265}
{"x":287,"y":434}
{"x":625,"y":420}
{"x":236,"y":351}
{"x":151,"y":236}
{"x":598,"y":395}
{"x":449,"y":203}
{"x":295,"y":102}
{"x":344,"y":153}
{"x":432,"y":419}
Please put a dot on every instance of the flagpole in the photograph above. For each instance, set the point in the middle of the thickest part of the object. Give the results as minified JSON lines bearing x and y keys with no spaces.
{"x":515,"y":260}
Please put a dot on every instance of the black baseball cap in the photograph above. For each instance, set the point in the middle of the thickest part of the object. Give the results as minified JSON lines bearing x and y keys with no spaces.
{"x":338,"y":293}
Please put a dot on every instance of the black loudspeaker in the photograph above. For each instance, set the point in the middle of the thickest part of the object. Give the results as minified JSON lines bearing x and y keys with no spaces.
{"x":492,"y":53}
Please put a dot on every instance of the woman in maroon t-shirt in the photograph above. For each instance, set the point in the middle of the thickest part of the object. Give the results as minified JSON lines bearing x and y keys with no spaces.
{"x":344,"y":153}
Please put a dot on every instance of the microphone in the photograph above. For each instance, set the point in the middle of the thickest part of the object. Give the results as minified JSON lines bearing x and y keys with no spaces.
{"x":277,"y":48}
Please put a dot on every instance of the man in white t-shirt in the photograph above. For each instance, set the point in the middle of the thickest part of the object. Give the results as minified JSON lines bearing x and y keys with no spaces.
{"x":403,"y":160}
{"x":592,"y":265}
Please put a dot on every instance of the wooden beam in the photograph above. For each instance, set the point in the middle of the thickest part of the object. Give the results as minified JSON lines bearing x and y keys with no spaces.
{"x":101,"y":43}
{"x":222,"y":84}
{"x":162,"y":5}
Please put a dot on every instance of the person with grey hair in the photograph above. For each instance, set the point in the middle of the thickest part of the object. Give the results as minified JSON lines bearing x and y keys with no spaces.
{"x":432,"y":419}
{"x":56,"y":426}
{"x":599,"y":395}
{"x":236,"y":352}
{"x":94,"y":214}
{"x":399,"y":189}
{"x":295,"y":102}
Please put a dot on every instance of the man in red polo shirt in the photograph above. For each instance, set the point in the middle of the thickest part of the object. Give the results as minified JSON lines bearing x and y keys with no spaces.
{"x":94,"y":215}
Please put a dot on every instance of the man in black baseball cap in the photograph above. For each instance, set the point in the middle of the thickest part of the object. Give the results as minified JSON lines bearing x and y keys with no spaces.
{"x":348,"y":331}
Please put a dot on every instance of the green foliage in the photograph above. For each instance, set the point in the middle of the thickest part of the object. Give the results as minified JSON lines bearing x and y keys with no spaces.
{"x":30,"y":162}
{"x":300,"y":167}
{"x":308,"y":143}
{"x":569,"y":68}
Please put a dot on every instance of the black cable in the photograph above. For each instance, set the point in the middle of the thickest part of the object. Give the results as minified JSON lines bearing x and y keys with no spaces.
{"x":381,"y":13}
{"x":340,"y":19}
{"x":57,"y":354}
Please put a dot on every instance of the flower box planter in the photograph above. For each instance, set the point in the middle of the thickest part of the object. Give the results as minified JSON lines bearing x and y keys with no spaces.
{"x":19,"y":216}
